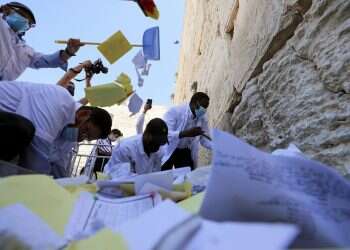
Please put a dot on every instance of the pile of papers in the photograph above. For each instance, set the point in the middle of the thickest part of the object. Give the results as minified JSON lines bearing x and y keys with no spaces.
{"x":248,"y":185}
{"x":254,"y":200}
{"x":154,"y":230}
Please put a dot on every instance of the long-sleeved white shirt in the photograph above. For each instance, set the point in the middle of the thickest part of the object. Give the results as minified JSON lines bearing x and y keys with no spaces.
{"x":131,"y":150}
{"x":16,"y":55}
{"x":180,"y":118}
{"x":140,"y":123}
{"x":49,"y":107}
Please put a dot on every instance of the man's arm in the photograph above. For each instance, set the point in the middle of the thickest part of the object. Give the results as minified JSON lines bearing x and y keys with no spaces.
{"x":84,"y":101}
{"x":57,"y":59}
{"x":141,"y":120}
{"x":205,"y":142}
{"x":119,"y":155}
{"x":72,"y":73}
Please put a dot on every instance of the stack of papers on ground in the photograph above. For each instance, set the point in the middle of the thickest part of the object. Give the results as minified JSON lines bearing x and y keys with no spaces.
{"x":94,"y":212}
{"x":154,"y":230}
{"x":249,"y":185}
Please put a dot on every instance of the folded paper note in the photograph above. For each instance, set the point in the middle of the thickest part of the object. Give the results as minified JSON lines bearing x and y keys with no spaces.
{"x":135,"y":104}
{"x":110,"y":93}
{"x":115,"y":47}
{"x":40,"y":194}
{"x":125,"y":81}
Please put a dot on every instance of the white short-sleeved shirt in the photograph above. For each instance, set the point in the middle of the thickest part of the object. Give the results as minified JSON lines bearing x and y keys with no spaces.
{"x":131,"y":150}
{"x":48,"y":106}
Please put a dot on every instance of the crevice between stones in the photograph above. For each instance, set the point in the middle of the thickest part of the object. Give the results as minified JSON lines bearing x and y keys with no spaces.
{"x":281,"y":38}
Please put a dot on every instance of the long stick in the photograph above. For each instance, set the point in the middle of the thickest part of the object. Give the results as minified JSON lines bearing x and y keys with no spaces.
{"x":92,"y":43}
{"x":85,"y":43}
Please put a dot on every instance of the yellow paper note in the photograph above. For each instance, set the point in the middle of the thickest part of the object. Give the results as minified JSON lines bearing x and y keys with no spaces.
{"x":125,"y":80}
{"x":73,"y":189}
{"x":101,"y":176}
{"x":103,"y":240}
{"x":193,"y":203}
{"x":105,"y":94}
{"x":114,"y":47}
{"x":40,"y":194}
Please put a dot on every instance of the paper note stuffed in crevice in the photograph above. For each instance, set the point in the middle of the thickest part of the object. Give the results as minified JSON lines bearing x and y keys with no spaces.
{"x":110,"y":93}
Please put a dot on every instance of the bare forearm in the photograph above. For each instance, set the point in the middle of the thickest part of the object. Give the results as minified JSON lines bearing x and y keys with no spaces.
{"x":69,"y":75}
{"x":84,"y":101}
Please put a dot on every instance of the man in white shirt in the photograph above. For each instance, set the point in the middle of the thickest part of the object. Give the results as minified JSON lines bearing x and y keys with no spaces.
{"x":143,"y":152}
{"x":56,"y":119}
{"x":15,"y":55}
{"x":189,"y":121}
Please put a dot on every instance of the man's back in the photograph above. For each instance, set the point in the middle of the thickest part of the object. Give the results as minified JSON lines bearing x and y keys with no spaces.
{"x":131,"y":150}
{"x":49,"y":107}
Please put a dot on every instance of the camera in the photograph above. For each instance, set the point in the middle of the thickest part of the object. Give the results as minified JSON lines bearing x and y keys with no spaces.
{"x":96,"y":68}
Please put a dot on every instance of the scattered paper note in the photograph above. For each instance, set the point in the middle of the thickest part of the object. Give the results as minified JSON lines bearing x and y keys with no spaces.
{"x":247,"y":184}
{"x":115,"y":47}
{"x":28,"y":228}
{"x":210,"y":235}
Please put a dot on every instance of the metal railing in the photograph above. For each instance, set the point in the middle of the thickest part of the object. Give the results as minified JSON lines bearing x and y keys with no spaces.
{"x":83,"y":160}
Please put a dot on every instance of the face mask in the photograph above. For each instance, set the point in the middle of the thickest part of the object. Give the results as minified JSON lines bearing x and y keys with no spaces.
{"x":200,"y":112}
{"x":17,"y":22}
{"x":70,"y":134}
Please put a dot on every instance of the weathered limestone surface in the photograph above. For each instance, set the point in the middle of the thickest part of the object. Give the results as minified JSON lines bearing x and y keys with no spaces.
{"x":283,"y":77}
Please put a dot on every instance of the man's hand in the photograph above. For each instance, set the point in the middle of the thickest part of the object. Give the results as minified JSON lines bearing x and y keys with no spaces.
{"x":146,"y":107}
{"x":192,"y":132}
{"x":86,"y":64}
{"x":73,"y":46}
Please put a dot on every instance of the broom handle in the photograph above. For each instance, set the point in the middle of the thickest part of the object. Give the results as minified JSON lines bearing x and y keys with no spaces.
{"x":92,"y":43}
{"x":85,"y":43}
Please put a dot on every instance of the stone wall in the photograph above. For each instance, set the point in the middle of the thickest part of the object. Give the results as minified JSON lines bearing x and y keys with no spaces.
{"x":281,"y":75}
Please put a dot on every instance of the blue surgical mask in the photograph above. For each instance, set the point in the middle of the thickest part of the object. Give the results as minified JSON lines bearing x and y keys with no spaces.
{"x":70,"y":134}
{"x":17,"y":22}
{"x":200,"y":112}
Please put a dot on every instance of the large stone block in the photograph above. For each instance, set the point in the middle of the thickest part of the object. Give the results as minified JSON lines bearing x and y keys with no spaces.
{"x":281,"y":76}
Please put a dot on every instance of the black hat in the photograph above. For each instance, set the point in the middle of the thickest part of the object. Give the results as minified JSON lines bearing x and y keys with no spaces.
{"x":158,"y":129}
{"x":23,"y":7}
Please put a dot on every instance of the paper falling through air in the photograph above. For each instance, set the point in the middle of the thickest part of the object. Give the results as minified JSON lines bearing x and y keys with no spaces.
{"x":110,"y":93}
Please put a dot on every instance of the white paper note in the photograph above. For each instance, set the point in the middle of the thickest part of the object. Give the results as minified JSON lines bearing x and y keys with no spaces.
{"x":135,"y":103}
{"x":154,"y":225}
{"x":163,"y":179}
{"x":72,"y":181}
{"x":249,"y":185}
{"x":18,"y":221}
{"x":91,"y":213}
